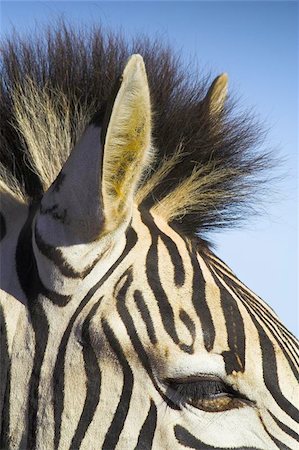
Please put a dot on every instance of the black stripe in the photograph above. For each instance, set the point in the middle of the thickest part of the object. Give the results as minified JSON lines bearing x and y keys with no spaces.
{"x":58,"y":376}
{"x":279,"y":444}
{"x":234,"y":358}
{"x":188,"y":440}
{"x":55,"y":255}
{"x":200,"y":303}
{"x":31,"y":285}
{"x":58,"y":299}
{"x":165,"y":308}
{"x":258,"y":303}
{"x":41,"y":331}
{"x":286,"y":337}
{"x":58,"y":373}
{"x":93,"y":380}
{"x":145,"y":314}
{"x":282,"y":345}
{"x":5,"y":383}
{"x":153,"y":278}
{"x":176,"y":259}
{"x":270,"y":372}
{"x":284,"y":427}
{"x":147,"y":432}
{"x":26,"y":266}
{"x":269,"y":364}
{"x":271,"y":327}
{"x":2,"y":227}
{"x":116,"y":426}
{"x":189,"y":324}
{"x":138,"y":347}
{"x":264,"y":315}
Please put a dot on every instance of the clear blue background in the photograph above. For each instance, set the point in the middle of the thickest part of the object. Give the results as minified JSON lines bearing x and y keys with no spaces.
{"x":256,"y":43}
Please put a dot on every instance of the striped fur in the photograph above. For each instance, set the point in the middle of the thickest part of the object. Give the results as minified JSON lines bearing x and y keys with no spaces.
{"x":163,"y":309}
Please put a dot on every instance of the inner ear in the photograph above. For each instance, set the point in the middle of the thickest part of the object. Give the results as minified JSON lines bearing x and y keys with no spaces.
{"x":127,"y":142}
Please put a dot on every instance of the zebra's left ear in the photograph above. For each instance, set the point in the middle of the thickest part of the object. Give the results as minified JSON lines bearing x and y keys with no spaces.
{"x":93,"y":194}
{"x":127,"y":148}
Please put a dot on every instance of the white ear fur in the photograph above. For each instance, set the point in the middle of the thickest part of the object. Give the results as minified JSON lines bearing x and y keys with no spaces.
{"x":127,"y":149}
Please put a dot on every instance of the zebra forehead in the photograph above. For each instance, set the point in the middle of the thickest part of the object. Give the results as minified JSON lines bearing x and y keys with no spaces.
{"x":177,"y":280}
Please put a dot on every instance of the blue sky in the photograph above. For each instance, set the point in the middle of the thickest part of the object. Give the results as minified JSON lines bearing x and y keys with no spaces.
{"x":257,"y":45}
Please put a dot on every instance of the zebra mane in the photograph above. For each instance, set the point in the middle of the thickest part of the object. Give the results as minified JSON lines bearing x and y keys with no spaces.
{"x":205,"y":173}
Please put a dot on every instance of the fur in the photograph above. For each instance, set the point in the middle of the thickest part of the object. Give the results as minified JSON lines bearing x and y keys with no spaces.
{"x":208,"y":165}
{"x":124,"y":159}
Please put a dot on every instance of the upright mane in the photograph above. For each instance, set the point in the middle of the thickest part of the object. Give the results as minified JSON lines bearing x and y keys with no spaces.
{"x":206,"y":170}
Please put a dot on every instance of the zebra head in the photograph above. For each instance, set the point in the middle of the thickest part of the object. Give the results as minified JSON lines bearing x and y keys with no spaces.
{"x":120,"y":330}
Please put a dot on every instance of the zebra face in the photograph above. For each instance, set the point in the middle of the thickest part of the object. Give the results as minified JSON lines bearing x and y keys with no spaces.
{"x":129,"y":334}
{"x":179,"y":350}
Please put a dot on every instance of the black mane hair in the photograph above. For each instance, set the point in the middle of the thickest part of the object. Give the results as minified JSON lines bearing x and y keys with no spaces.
{"x":84,"y":66}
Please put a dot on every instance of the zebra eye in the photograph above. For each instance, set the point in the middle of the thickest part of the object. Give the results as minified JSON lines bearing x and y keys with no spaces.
{"x":203,"y":392}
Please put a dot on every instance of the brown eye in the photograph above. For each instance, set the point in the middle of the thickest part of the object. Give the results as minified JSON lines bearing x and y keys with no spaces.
{"x":206,"y":393}
{"x":218,"y":403}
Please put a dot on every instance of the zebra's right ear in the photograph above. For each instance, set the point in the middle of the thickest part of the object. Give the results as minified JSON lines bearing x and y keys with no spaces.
{"x":216,"y":96}
{"x":93,"y":194}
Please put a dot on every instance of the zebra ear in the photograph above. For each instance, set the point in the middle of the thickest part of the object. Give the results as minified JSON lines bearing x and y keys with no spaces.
{"x":93,"y":194}
{"x":127,"y":149}
{"x":216,"y":96}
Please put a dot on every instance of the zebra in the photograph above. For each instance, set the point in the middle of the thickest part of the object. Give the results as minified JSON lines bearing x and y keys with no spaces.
{"x":120,"y":327}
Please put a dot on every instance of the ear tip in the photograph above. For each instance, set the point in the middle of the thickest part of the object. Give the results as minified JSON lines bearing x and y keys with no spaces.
{"x":136,"y":61}
{"x":223,"y":78}
{"x":136,"y":57}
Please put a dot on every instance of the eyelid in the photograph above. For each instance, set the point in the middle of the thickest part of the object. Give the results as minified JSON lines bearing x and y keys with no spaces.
{"x":195,"y":379}
{"x":200,"y":387}
{"x":228,"y":390}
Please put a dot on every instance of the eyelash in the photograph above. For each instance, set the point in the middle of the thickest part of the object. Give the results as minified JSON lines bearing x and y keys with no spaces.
{"x":200,"y":390}
{"x":209,"y":394}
